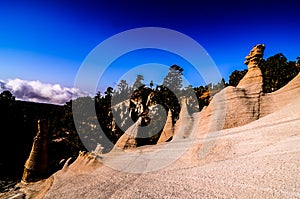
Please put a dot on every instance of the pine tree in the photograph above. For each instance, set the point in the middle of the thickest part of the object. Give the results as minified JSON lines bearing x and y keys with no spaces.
{"x":236,"y":77}
{"x":173,"y":80}
{"x":138,"y":82}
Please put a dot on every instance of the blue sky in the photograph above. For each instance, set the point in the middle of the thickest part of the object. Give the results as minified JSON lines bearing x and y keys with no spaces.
{"x":48,"y":40}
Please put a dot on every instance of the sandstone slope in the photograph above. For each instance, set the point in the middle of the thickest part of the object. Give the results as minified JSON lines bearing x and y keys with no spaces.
{"x":245,"y":144}
{"x":258,"y":160}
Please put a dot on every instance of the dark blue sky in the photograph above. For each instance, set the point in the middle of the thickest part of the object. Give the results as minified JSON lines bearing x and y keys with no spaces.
{"x":48,"y":40}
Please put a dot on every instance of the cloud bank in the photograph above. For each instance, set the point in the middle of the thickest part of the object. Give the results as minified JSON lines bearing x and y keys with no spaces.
{"x":36,"y":91}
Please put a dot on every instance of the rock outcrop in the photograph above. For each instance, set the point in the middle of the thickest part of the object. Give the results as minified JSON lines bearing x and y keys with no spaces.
{"x":128,"y":139}
{"x":37,"y":162}
{"x":143,"y":130}
{"x":231,"y":107}
{"x":121,"y":115}
{"x":181,"y":129}
{"x":240,"y":105}
{"x":222,"y":112}
{"x":237,"y":106}
{"x":253,"y":80}
{"x":258,"y":160}
{"x":139,"y":118}
{"x":183,"y":125}
{"x":168,"y":130}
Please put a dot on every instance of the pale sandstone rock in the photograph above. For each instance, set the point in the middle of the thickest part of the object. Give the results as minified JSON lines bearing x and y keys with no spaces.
{"x":258,"y":160}
{"x":128,"y":139}
{"x":184,"y":123}
{"x":246,"y":96}
{"x":168,"y":130}
{"x":271,"y":102}
{"x":253,"y":79}
{"x":36,"y":165}
{"x":236,"y":106}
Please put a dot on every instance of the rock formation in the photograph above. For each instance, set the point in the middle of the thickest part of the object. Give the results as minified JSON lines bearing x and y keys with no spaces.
{"x":240,"y":157}
{"x":121,"y":115}
{"x":168,"y":130}
{"x":184,"y":123}
{"x":253,"y":80}
{"x":37,"y":162}
{"x":128,"y":139}
{"x":241,"y":105}
{"x":222,"y":112}
{"x":231,"y":107}
{"x":132,"y":116}
{"x":142,"y":131}
{"x":237,"y":106}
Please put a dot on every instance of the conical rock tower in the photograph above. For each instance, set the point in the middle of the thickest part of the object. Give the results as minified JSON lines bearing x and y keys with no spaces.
{"x":128,"y":139}
{"x":37,"y":162}
{"x":184,"y":123}
{"x":168,"y":130}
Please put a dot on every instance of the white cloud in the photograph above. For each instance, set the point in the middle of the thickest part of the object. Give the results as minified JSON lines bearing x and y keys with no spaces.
{"x":36,"y":91}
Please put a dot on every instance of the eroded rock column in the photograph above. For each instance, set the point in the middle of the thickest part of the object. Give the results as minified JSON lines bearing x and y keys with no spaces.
{"x":37,"y":162}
